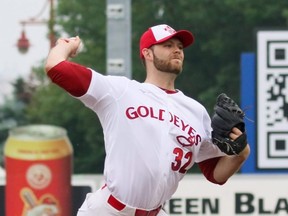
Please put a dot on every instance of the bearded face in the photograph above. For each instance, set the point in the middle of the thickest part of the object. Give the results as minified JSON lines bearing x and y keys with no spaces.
{"x":170,"y":64}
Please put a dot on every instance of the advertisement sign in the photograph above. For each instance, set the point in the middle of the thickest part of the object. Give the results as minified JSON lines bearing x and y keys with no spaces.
{"x":252,"y":195}
{"x":243,"y":194}
{"x":38,"y":162}
{"x":272,"y":99}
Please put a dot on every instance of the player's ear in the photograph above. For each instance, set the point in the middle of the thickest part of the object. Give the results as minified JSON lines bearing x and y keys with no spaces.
{"x":147,"y":53}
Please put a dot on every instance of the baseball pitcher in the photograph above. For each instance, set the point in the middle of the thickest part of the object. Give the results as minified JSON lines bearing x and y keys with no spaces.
{"x":153,"y":133}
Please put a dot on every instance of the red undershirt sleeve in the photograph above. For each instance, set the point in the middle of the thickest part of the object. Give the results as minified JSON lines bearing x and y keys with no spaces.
{"x":207,"y":167}
{"x":72,"y":77}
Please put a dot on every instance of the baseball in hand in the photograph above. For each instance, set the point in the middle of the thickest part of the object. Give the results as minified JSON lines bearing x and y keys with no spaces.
{"x":79,"y":48}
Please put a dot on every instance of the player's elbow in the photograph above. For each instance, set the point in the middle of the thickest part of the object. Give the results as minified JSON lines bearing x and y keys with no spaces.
{"x":51,"y":62}
{"x":47,"y":67}
{"x":55,"y":57}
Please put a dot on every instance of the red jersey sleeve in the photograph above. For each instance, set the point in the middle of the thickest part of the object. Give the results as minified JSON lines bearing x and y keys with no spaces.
{"x":72,"y":77}
{"x":207,"y":167}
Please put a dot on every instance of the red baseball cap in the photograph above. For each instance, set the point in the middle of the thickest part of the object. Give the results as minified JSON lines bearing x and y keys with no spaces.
{"x":160,"y":33}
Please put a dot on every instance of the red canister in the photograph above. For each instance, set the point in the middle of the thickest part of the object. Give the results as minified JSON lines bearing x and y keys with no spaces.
{"x":38,"y":162}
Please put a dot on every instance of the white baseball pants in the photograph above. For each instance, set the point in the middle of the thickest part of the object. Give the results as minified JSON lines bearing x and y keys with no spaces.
{"x":96,"y":204}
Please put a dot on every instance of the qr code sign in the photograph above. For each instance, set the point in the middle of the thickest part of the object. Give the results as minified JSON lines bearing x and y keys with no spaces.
{"x":277,"y":101}
{"x":272,"y":100}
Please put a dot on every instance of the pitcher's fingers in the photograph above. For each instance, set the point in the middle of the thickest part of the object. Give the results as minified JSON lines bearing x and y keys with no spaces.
{"x":235,"y":133}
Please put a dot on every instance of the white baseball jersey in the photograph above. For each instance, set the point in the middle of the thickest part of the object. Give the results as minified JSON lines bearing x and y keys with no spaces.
{"x":151,"y":138}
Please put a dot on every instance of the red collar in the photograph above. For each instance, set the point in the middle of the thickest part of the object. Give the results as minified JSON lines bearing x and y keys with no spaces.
{"x":169,"y":91}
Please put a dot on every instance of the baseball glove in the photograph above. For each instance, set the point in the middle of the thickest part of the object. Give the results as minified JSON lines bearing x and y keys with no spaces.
{"x":228,"y":115}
